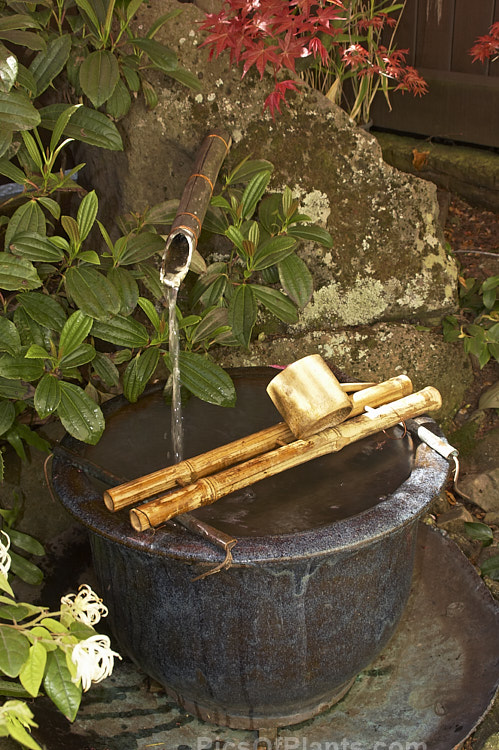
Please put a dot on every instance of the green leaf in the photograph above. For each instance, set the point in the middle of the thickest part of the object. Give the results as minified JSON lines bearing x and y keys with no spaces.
{"x":490,"y":398}
{"x":31,"y":437}
{"x":7,"y":415}
{"x":59,"y":685}
{"x":26,"y":80}
{"x":17,"y":273}
{"x":162,"y":57}
{"x":204,"y":379}
{"x":150,"y":94}
{"x":272,"y":251}
{"x":43,"y":309}
{"x":151,"y":280}
{"x":160,"y":21}
{"x":311,"y":233}
{"x":119,"y":102}
{"x":17,"y":112}
{"x":479,"y":531}
{"x":49,"y":63}
{"x":10,"y":340}
{"x":12,"y":390}
{"x":75,"y":331}
{"x":31,"y":674}
{"x":80,"y":416}
{"x":127,"y":288}
{"x":25,"y":570}
{"x":211,"y":324}
{"x":86,"y":125}
{"x":8,"y":69}
{"x":276,"y":302}
{"x":490,"y":568}
{"x":254,"y":192}
{"x":151,"y":312}
{"x":248,"y":168}
{"x":37,"y":352}
{"x":106,"y":370}
{"x":89,"y":256}
{"x":60,"y":125}
{"x":14,"y":651}
{"x":18,"y":21}
{"x":99,"y":74}
{"x":141,"y":247}
{"x":19,"y":368}
{"x":13,"y":173}
{"x":27,"y":218}
{"x":51,"y":205}
{"x":132,"y":78}
{"x":236,"y":237}
{"x":33,"y":150}
{"x":242,"y":314}
{"x":80,"y":356}
{"x":138,"y":373}
{"x":122,"y":331}
{"x":186,"y":78}
{"x":26,"y":542}
{"x":71,"y":228}
{"x":5,"y":141}
{"x":296,"y":279}
{"x":47,"y":395}
{"x":35,"y":247}
{"x":90,"y":9}
{"x":92,"y":292}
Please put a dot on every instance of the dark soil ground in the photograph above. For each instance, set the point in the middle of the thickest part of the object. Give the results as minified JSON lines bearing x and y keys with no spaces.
{"x":473,"y":234}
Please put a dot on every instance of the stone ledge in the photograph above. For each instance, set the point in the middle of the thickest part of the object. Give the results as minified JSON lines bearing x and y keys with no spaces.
{"x":471,"y":173}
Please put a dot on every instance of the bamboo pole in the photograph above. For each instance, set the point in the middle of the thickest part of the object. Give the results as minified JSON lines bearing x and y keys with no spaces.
{"x":186,"y":227}
{"x":188,"y":471}
{"x":209,"y":489}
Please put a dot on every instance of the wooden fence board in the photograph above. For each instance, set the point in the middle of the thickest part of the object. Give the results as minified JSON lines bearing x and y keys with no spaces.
{"x":463,"y":102}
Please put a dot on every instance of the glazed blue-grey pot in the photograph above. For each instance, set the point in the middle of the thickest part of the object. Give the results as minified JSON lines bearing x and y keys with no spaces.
{"x":281,"y":634}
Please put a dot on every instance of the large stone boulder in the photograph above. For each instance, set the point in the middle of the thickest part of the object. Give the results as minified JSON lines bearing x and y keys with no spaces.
{"x":388,"y":262}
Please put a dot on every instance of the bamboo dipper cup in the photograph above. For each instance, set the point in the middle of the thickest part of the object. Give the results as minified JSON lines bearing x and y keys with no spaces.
{"x":309,"y":396}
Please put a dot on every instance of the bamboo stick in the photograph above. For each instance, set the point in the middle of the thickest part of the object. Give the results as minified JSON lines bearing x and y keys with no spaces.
{"x":188,"y":471}
{"x":186,"y":227}
{"x":209,"y":489}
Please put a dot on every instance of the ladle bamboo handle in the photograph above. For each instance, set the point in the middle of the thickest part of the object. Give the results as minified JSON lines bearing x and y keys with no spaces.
{"x":188,"y":471}
{"x":208,"y":490}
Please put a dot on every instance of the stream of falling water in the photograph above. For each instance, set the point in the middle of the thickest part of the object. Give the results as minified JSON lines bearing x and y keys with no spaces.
{"x":177,"y":430}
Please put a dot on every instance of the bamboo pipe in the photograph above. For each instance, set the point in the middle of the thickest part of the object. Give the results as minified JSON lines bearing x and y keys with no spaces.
{"x":186,"y":226}
{"x":208,"y":490}
{"x":188,"y":471}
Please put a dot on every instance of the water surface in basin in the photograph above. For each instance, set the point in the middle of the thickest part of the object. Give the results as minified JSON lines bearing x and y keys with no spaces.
{"x":137,"y":441}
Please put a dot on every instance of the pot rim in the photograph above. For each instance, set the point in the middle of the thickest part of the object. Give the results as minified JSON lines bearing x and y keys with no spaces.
{"x":402,"y":507}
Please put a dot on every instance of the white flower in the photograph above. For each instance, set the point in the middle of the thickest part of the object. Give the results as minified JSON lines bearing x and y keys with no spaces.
{"x":85,"y":606}
{"x":4,"y":554}
{"x":94,"y":660}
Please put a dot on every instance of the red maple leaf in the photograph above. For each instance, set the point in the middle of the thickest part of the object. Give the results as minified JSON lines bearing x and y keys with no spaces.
{"x":273,"y":101}
{"x":259,"y":55}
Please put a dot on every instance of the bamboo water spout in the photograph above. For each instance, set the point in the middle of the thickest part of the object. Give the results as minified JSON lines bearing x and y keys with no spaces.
{"x":186,"y":227}
{"x":209,"y":489}
{"x":192,"y":469}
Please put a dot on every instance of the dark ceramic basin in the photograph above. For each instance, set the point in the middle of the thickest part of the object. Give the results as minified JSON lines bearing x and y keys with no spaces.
{"x":321,"y":574}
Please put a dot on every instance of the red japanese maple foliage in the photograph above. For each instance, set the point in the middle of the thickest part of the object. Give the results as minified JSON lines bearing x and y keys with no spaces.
{"x":277,"y":34}
{"x":486,"y":47}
